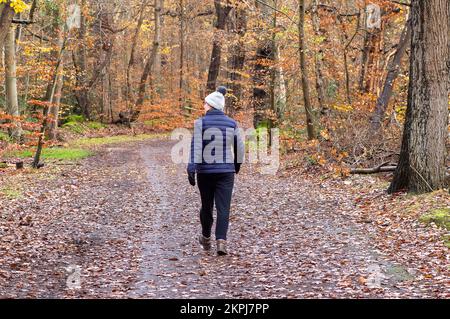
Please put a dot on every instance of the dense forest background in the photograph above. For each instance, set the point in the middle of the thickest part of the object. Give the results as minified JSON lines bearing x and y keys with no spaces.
{"x":332,"y":75}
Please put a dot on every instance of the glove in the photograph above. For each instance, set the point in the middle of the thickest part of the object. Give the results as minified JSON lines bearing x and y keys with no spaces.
{"x":237,"y":168}
{"x":191,"y":177}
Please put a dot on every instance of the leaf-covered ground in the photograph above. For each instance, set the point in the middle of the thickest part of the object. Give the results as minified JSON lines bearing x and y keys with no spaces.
{"x":129,"y":220}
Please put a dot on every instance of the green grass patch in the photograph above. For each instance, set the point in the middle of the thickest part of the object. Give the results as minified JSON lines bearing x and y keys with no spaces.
{"x":11,"y":193}
{"x":95,"y":125}
{"x":80,"y":127}
{"x":447,"y":241}
{"x":97,"y":141}
{"x":75,"y":118}
{"x":155,"y":122}
{"x":75,"y":127}
{"x":440,"y":216}
{"x":68,"y":154}
{"x":4,"y":137}
{"x":80,"y":149}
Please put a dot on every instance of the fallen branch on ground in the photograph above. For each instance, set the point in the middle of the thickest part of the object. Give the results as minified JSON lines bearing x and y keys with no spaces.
{"x":383,"y":168}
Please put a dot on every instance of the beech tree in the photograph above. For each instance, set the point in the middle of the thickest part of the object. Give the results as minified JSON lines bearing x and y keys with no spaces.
{"x":304,"y":73}
{"x":393,"y":71}
{"x":238,"y":21}
{"x":6,"y":16}
{"x":222,"y":11}
{"x":12,"y":101}
{"x":423,"y":154}
{"x":151,"y":59}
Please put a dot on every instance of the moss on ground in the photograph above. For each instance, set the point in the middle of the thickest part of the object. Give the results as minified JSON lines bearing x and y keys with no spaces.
{"x":399,"y":273}
{"x":440,"y":216}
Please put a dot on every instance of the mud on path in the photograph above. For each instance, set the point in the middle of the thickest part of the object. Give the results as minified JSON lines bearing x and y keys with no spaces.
{"x":127,"y":221}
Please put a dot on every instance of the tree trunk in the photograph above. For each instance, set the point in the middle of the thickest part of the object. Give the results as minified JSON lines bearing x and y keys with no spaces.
{"x":374,"y":59}
{"x":393,"y":71}
{"x":304,"y":73}
{"x":364,"y":59}
{"x":222,"y":12}
{"x":6,"y":16}
{"x":12,"y":102}
{"x":182,"y":43}
{"x":56,"y":103}
{"x":319,"y":55}
{"x":423,"y":154}
{"x":102,"y":63}
{"x":80,"y":59}
{"x":132,"y":59}
{"x":278,"y":88}
{"x":150,"y":62}
{"x":273,"y":71}
{"x":155,"y":79}
{"x":264,"y":61}
{"x":33,"y":8}
{"x":280,"y":91}
{"x":49,"y":98}
{"x":237,"y":60}
{"x":371,"y":55}
{"x":56,"y":99}
{"x":105,"y":95}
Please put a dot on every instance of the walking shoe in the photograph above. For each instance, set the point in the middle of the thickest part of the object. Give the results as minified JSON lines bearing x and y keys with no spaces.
{"x":222,"y":247}
{"x":205,"y":242}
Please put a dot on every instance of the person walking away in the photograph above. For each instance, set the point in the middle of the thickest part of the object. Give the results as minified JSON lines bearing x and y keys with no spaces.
{"x":217,"y":153}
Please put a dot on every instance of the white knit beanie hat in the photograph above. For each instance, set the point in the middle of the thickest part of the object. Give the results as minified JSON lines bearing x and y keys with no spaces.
{"x":216,"y":100}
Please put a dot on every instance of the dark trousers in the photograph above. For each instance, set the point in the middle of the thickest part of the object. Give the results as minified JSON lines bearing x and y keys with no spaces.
{"x":216,"y":188}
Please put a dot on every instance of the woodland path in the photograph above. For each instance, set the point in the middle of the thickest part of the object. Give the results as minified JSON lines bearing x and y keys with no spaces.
{"x":129,"y":219}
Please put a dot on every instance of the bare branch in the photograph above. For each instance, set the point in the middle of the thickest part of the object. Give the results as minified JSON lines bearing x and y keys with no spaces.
{"x":383,"y":168}
{"x":400,"y":3}
{"x":275,"y":9}
{"x":25,"y":22}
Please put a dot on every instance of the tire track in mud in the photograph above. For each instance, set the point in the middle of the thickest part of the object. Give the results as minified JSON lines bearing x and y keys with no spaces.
{"x":167,"y":247}
{"x":315,"y":249}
